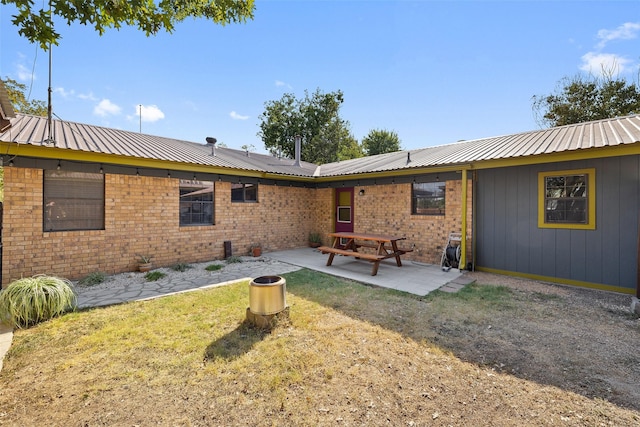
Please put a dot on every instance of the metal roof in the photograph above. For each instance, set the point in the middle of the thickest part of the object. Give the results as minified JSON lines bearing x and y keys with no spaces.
{"x":32,"y":130}
{"x":583,"y":136}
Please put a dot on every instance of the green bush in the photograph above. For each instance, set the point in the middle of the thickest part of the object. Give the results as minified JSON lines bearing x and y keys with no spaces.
{"x":152,"y":276}
{"x":213,"y":267}
{"x":233,"y":259}
{"x":35,"y":299}
{"x":181,"y":266}
{"x":94,"y":278}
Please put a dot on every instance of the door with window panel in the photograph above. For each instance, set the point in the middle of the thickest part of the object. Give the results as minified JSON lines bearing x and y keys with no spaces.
{"x":344,"y":210}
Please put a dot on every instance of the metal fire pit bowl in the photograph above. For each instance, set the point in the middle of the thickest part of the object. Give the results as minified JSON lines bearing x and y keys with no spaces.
{"x":267,"y":295}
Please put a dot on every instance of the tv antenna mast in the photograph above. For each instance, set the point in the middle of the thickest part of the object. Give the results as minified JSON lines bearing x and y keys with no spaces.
{"x":50,"y":139}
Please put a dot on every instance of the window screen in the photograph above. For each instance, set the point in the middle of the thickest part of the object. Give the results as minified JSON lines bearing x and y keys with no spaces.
{"x":196,"y":203}
{"x":428,"y":198}
{"x":73,"y":201}
{"x":244,"y":192}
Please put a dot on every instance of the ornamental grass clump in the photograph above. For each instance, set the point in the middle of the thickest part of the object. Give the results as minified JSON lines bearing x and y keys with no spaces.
{"x":31,"y":300}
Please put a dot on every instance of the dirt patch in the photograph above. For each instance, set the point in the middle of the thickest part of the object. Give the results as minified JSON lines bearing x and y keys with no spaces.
{"x":581,"y":340}
{"x":525,"y":353}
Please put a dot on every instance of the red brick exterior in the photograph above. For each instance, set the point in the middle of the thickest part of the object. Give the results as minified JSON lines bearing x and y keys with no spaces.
{"x":141,"y":217}
{"x":386,"y":209}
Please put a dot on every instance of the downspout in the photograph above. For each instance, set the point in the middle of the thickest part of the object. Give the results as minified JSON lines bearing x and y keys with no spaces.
{"x":463,"y":223}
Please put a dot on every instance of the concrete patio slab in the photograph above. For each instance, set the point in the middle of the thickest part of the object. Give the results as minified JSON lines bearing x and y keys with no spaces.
{"x":413,"y":277}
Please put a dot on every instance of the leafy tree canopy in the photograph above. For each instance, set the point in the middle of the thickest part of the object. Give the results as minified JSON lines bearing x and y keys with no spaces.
{"x":19,"y":101}
{"x":380,"y":141}
{"x":581,"y":99}
{"x":316,"y":119}
{"x":150,"y":16}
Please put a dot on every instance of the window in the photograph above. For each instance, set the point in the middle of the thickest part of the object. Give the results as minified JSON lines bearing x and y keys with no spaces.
{"x":244,"y":192}
{"x":567,"y":199}
{"x":344,"y":213}
{"x":428,"y":198}
{"x":196,"y":202}
{"x":73,"y":201}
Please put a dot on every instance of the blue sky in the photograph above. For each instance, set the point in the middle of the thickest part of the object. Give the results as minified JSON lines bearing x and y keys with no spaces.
{"x":434,"y":72}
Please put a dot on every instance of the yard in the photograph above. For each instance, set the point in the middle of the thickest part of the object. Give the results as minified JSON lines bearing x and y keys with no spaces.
{"x":500,"y":353}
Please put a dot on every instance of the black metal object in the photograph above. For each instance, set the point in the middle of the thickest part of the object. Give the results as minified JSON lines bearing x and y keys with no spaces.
{"x":227,"y":249}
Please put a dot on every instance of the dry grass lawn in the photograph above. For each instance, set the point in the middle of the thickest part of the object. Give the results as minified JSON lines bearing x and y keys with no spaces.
{"x":350,"y":355}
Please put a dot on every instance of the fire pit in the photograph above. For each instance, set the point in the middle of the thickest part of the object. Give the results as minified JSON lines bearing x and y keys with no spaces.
{"x":267,"y":299}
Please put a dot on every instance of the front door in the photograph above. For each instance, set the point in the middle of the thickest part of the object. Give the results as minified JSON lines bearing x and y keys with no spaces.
{"x":344,"y":209}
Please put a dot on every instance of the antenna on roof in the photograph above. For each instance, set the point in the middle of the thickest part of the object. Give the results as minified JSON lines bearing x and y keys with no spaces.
{"x":49,"y":139}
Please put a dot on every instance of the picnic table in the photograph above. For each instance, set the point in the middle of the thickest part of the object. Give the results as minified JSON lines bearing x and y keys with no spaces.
{"x":347,"y":244}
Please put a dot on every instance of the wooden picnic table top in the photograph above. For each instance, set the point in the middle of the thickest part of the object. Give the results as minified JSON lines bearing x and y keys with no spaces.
{"x":366,"y":236}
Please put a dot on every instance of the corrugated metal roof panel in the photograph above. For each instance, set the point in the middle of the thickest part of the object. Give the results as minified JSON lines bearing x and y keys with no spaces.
{"x":33,"y":130}
{"x":603,"y":133}
{"x":582,"y":136}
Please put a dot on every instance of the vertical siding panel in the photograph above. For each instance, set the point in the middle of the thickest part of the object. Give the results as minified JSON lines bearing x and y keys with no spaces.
{"x":510,"y":216}
{"x":629,"y":211}
{"x":500,"y":226}
{"x":536,"y":250}
{"x":563,"y":253}
{"x":485,"y":218}
{"x":578,"y":255}
{"x":594,"y":238}
{"x":523,"y":216}
{"x":548,"y":252}
{"x":607,"y":189}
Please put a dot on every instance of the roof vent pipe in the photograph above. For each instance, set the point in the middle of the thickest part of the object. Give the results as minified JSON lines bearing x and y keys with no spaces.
{"x":297,"y":139}
{"x":212,"y":142}
{"x":408,"y":157}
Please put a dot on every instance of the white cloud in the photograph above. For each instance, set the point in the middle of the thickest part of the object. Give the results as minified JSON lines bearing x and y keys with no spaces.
{"x":150,"y":113}
{"x":24,"y":74}
{"x":237,"y":116}
{"x":106,"y":108}
{"x":626,"y":31}
{"x":86,"y":96}
{"x":63,"y":92}
{"x":604,"y":63}
{"x":280,"y":83}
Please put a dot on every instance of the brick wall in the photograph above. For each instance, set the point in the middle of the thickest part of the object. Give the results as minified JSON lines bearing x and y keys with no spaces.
{"x":386,"y":209}
{"x":141,"y":217}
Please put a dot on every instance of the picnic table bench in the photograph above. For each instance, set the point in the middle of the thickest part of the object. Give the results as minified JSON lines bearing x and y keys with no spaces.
{"x":347,"y":244}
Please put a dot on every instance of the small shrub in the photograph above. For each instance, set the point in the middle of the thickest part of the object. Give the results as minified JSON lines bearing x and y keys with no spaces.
{"x":234,"y":259}
{"x":30,"y":300}
{"x":152,"y":276}
{"x":93,"y":279}
{"x":315,"y":238}
{"x":181,"y":266}
{"x":213,"y":267}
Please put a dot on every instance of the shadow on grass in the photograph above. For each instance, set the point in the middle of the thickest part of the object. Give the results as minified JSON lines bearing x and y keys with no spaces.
{"x":236,"y":343}
{"x":490,"y":326}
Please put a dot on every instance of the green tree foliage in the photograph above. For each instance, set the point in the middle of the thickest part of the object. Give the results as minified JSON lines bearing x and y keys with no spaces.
{"x":581,"y":99}
{"x":380,"y":141}
{"x":36,"y":23}
{"x":19,"y":101}
{"x":316,"y":119}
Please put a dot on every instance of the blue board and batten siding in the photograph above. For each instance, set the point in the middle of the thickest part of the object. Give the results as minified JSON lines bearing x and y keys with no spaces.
{"x":508,"y":237}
